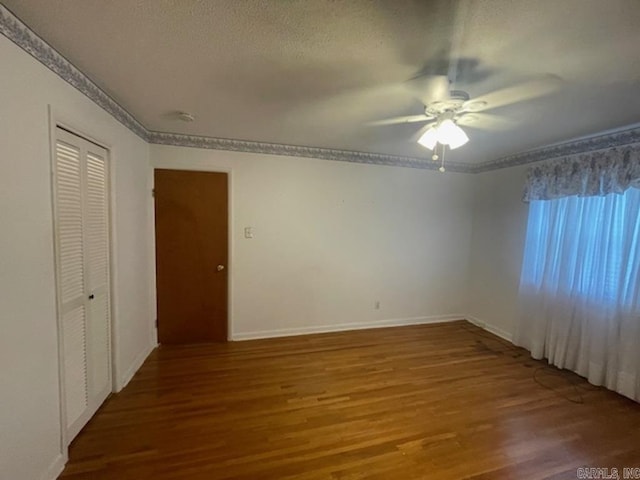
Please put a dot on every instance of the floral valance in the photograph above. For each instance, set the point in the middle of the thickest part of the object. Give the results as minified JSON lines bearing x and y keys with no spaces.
{"x":586,"y":174}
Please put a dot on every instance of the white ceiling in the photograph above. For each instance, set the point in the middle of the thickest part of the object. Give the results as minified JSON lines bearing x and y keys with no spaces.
{"x":314,"y":72}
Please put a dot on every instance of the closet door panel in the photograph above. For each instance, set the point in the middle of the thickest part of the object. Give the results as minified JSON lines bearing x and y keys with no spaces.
{"x":82,"y":265}
{"x":68,"y":185}
{"x":75,"y":366}
{"x":99,"y":343}
{"x":96,"y":221}
{"x":97,"y":261}
{"x":69,"y":224}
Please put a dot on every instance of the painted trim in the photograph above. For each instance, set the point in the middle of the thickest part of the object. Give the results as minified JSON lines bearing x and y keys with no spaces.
{"x":133,"y":368}
{"x":341,"y":327}
{"x":20,"y":34}
{"x":151,"y":257}
{"x":231,"y":249}
{"x":490,"y":328}
{"x":63,"y":445}
{"x":55,"y":469}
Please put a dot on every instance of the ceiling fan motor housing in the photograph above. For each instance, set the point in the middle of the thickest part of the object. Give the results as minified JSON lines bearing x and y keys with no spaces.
{"x":455,"y":104}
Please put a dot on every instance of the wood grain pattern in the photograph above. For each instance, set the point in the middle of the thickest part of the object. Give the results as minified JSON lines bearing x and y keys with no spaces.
{"x":446,"y":401}
{"x":191,"y":222}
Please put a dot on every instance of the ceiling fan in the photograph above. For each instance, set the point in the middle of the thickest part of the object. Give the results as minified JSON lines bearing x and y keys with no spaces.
{"x":446,"y":110}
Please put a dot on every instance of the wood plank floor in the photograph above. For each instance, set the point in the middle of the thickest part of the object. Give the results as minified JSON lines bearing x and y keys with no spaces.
{"x":444,"y":402}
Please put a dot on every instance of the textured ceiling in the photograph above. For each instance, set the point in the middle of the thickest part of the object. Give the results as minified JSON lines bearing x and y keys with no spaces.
{"x":315,"y":72}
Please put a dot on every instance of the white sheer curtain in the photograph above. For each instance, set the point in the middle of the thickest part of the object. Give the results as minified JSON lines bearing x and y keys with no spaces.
{"x":580,"y":287}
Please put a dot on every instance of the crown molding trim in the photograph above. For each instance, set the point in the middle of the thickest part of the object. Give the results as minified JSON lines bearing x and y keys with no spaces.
{"x":180,"y":140}
{"x":20,"y":34}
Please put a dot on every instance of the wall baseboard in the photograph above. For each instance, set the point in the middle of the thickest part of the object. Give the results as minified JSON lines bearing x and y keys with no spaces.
{"x":135,"y":366}
{"x":55,"y":469}
{"x":490,"y":328}
{"x":341,"y":327}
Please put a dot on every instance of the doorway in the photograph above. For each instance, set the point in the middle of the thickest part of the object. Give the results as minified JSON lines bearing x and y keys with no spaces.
{"x":191,"y":222}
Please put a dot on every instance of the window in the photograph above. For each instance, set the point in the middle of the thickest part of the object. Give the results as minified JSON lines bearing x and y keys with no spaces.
{"x":585,"y":248}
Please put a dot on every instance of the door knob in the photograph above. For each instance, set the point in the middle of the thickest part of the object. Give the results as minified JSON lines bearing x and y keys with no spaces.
{"x":220,"y":268}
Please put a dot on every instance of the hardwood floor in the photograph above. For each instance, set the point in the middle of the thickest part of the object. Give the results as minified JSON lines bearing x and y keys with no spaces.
{"x":445,"y":402}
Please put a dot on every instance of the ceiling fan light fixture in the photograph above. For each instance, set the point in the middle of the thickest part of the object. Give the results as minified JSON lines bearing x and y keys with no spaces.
{"x":429,"y":139}
{"x":448,"y":133}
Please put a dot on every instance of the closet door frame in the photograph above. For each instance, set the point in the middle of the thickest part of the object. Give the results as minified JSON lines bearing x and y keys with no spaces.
{"x":57,"y":120}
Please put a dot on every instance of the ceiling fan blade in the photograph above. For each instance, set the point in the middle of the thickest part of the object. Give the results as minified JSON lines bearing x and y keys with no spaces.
{"x":518,"y":93}
{"x":486,"y":121}
{"x":416,"y":136}
{"x":430,"y":88}
{"x":399,"y":120}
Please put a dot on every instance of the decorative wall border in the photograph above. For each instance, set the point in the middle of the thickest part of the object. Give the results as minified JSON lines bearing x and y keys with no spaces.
{"x":20,"y":34}
{"x":180,"y":140}
{"x":618,"y":138}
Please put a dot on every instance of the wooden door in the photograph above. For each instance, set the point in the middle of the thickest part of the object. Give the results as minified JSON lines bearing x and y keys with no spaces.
{"x":191,"y":256}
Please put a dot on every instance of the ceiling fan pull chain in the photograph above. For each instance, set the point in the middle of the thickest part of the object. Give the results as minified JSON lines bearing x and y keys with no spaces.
{"x":442,"y":169}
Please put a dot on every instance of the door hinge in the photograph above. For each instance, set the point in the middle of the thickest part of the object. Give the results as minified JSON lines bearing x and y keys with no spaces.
{"x":156,"y":323}
{"x":153,"y":192}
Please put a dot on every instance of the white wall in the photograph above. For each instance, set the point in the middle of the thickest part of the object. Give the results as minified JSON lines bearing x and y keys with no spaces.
{"x":497,"y":246}
{"x":331,"y":238}
{"x":29,"y":403}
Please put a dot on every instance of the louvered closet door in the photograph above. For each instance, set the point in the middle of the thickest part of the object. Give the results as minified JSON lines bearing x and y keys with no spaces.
{"x":97,"y":261}
{"x":82,"y":251}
